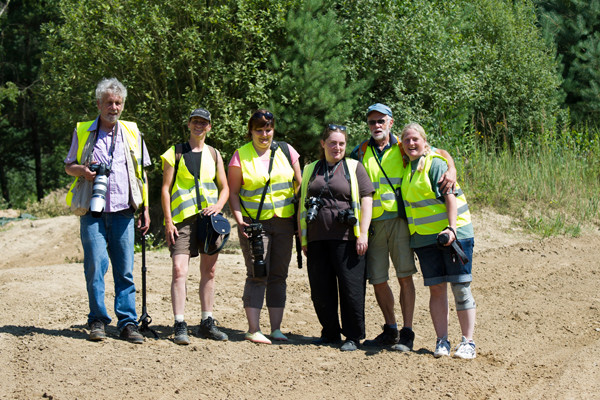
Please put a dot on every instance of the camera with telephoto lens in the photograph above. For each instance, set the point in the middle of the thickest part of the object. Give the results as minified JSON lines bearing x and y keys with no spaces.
{"x":346,"y":217}
{"x":313,"y":205}
{"x":254,"y":232}
{"x":98,"y":201}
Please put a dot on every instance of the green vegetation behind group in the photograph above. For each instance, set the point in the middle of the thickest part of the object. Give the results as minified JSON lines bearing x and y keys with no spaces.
{"x":509,"y":87}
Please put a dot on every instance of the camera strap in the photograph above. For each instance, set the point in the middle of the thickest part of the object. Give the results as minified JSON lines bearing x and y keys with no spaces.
{"x":322,"y":164}
{"x":196,"y":176}
{"x":399,"y":202}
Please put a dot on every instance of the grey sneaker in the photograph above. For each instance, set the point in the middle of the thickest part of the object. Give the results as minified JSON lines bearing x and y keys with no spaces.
{"x":406,"y":341}
{"x":442,"y":347}
{"x":209,"y":330}
{"x":349,"y":345}
{"x":465,"y":349}
{"x":389,"y":336}
{"x":97,"y":332}
{"x":131,"y":334}
{"x":181,"y":333}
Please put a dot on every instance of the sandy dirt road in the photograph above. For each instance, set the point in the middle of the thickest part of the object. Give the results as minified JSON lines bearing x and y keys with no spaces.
{"x":538,"y":330}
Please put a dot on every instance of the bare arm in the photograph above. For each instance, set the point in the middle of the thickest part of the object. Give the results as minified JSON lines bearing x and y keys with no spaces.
{"x":165,"y":200}
{"x":448,"y":181}
{"x":79,"y":171}
{"x":366,"y":210}
{"x":452,"y":215}
{"x":297,"y":177}
{"x":144,"y":219}
{"x":234,"y":179}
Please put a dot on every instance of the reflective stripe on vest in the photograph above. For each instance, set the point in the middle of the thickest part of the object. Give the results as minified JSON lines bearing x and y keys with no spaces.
{"x":280,"y":193}
{"x":426,"y":214}
{"x":384,"y":198}
{"x":131,"y":134}
{"x":184,"y":203}
{"x":306,"y":175}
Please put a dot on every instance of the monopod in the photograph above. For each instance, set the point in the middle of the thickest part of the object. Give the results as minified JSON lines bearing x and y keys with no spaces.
{"x":145,"y":319}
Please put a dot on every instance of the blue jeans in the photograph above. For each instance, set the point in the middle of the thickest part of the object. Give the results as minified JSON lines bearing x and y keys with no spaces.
{"x":438,"y":264}
{"x":110,"y":236}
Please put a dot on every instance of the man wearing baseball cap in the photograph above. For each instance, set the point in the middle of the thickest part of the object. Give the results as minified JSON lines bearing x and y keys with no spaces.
{"x":389,"y":236}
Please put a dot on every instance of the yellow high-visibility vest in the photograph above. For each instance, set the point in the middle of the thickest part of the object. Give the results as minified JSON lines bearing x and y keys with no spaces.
{"x":384,"y":198}
{"x":280,"y":193}
{"x":426,"y":214}
{"x":131,"y":135}
{"x":184,"y":201}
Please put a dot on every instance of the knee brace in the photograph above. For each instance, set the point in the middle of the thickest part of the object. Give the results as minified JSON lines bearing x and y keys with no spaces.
{"x":462,"y":296}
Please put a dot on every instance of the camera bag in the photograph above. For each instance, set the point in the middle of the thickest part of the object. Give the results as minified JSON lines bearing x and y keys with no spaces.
{"x":213,"y":233}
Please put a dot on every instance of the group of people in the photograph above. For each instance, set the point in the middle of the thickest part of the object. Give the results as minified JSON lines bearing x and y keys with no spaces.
{"x":391,"y":198}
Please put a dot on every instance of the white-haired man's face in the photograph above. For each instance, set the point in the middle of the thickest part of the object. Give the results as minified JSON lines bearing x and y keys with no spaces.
{"x":110,"y":107}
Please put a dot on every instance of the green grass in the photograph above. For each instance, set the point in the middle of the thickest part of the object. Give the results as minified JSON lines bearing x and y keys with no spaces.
{"x":550,"y":189}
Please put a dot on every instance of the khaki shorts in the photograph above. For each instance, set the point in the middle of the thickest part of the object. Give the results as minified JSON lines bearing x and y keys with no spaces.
{"x":389,"y":238}
{"x":186,"y":242}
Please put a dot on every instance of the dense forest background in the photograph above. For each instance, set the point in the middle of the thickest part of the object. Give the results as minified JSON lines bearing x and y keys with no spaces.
{"x":504,"y":73}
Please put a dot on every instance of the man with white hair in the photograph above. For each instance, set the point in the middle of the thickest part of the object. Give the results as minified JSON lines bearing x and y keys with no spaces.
{"x":110,"y":150}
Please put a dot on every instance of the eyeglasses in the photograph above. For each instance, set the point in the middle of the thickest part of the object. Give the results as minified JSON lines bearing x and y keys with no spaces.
{"x":334,"y":127}
{"x":374,"y":122}
{"x":260,"y":114}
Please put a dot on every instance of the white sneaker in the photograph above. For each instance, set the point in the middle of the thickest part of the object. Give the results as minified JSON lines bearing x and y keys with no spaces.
{"x":465,"y":349}
{"x":442,"y":347}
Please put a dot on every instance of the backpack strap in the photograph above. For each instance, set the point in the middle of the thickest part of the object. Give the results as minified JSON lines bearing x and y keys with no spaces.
{"x":180,"y":148}
{"x":286,"y":150}
{"x":362,"y":149}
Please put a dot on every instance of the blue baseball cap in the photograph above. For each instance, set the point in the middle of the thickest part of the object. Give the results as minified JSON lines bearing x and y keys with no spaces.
{"x":382,"y":108}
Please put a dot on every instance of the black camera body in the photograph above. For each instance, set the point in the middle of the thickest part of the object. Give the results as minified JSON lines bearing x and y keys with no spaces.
{"x":100,"y":169}
{"x":254,"y":232}
{"x":313,"y":205}
{"x":442,"y":239}
{"x":455,"y":248}
{"x":98,"y":200}
{"x":346,"y":217}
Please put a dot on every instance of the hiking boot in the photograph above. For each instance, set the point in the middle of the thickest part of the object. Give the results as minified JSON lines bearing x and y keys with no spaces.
{"x":350,"y":345}
{"x":442,"y":347}
{"x":465,"y":349}
{"x":407,"y":338}
{"x":389,"y":336}
{"x":131,"y":334}
{"x":209,"y":330}
{"x":97,"y":332}
{"x":181,"y":333}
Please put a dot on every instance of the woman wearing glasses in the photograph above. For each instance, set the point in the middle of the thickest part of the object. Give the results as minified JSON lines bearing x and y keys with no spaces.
{"x":335,"y":212}
{"x":261,"y":181}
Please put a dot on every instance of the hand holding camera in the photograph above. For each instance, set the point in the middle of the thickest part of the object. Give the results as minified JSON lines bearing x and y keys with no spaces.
{"x":443,"y":241}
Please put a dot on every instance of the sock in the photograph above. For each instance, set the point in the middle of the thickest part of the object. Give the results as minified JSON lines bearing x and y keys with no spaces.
{"x":206,"y":314}
{"x":178,"y":317}
{"x":394,"y":326}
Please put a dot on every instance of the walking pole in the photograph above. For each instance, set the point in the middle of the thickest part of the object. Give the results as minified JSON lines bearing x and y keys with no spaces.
{"x":145,"y":319}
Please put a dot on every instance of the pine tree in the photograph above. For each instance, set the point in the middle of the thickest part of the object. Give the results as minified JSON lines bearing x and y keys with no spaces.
{"x":313,"y":87}
{"x":574,"y":25}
